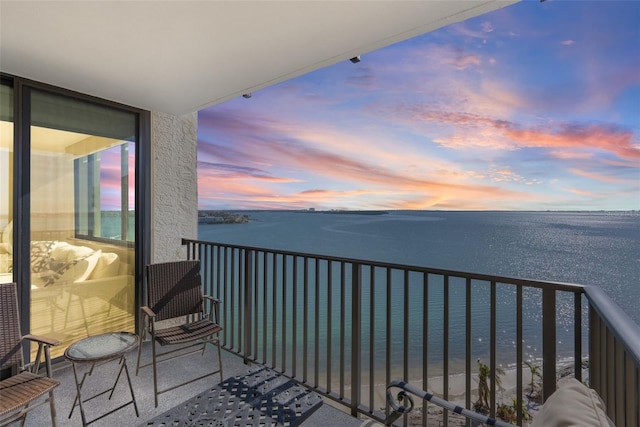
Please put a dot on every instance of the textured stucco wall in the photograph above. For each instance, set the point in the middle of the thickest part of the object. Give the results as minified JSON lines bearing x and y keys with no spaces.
{"x":174,"y":185}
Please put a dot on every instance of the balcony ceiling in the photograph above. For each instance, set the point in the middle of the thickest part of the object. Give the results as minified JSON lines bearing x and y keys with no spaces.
{"x":180,"y":56}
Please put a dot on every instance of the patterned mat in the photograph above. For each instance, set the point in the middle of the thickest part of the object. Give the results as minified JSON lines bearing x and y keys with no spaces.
{"x":260,"y":398}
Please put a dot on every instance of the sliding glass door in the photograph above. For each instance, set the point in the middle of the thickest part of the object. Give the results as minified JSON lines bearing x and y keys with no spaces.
{"x":6,"y":182}
{"x":82,"y":202}
{"x":68,"y":191}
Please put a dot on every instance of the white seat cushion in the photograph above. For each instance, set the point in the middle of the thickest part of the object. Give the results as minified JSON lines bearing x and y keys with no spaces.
{"x":572,"y":405}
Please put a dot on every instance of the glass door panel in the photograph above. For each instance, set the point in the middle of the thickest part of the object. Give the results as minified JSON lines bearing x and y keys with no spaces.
{"x":82,"y":253}
{"x":6,"y":183}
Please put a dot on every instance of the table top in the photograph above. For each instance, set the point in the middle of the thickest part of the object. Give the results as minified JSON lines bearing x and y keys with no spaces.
{"x":101,"y":347}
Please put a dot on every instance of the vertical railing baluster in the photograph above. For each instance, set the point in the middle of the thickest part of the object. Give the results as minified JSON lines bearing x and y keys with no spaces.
{"x":256,"y":293}
{"x":611,"y":374}
{"x":284,"y":313}
{"x":405,"y":333}
{"x":519,"y":361}
{"x":228,"y":310}
{"x":316,"y":354}
{"x":248,"y":285}
{"x":387,"y":366}
{"x":602,"y":369}
{"x":274,"y":316}
{"x":220,"y":289}
{"x":342,"y":323}
{"x":637,"y":396}
{"x":577,"y":335}
{"x":631,"y":392}
{"x":445,"y":348}
{"x":372,"y":337}
{"x":356,"y":329}
{"x":305,"y":320}
{"x":204,"y":250}
{"x":425,"y":341}
{"x":329,"y":325}
{"x":467,"y":316}
{"x":594,"y":353}
{"x":492,"y":354}
{"x":213,"y":286}
{"x":294,"y":315}
{"x":548,"y":342}
{"x":265,"y":298}
{"x":620,"y":386}
{"x":241,"y":283}
{"x":234,"y":322}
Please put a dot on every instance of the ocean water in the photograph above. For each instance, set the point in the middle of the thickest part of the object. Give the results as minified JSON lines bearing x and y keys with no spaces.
{"x":597,"y":249}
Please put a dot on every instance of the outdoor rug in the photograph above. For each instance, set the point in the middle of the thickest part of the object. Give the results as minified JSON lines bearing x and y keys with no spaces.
{"x":262,"y":397}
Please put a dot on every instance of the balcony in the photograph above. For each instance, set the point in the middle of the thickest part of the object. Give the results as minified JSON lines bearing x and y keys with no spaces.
{"x":346,"y":328}
{"x":332,"y":322}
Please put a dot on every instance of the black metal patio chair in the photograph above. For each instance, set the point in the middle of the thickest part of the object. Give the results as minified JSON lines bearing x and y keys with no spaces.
{"x":19,"y":391}
{"x":174,"y":291}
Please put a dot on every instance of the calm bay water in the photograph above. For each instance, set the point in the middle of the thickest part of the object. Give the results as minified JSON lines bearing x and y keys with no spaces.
{"x":597,"y":249}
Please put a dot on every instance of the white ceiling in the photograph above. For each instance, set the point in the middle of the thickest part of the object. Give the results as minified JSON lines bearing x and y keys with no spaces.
{"x":181,"y":56}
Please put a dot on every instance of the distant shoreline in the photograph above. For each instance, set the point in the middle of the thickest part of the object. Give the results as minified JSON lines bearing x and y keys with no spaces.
{"x":342,"y":212}
{"x":632,"y":212}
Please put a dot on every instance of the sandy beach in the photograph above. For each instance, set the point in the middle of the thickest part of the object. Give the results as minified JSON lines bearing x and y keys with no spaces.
{"x":457,"y":393}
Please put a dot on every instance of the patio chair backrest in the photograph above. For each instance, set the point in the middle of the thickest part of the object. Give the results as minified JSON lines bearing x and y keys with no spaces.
{"x":10,"y":337}
{"x":174,"y":289}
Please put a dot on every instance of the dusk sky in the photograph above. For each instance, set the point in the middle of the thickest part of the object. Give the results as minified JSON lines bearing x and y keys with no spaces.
{"x":532,"y":107}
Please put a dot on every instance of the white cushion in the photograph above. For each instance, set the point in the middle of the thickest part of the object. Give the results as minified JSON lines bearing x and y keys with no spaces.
{"x":5,"y":263}
{"x":64,"y":252}
{"x":77,"y":270}
{"x":572,"y":405}
{"x":7,"y":236}
{"x":40,"y":257}
{"x":108,"y":266}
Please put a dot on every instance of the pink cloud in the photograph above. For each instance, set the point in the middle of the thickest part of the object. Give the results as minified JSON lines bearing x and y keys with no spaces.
{"x":588,"y":137}
{"x":597,"y":177}
{"x":487,"y":27}
{"x":583,"y":192}
{"x":471,"y":129}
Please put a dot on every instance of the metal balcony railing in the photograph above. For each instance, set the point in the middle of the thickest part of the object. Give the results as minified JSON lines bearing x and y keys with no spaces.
{"x":347,"y":327}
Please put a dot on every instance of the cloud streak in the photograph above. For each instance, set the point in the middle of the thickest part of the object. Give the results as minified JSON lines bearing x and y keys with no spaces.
{"x":491,"y":113}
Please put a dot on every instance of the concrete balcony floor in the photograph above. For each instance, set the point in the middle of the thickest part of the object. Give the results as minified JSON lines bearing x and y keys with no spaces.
{"x":171,"y":372}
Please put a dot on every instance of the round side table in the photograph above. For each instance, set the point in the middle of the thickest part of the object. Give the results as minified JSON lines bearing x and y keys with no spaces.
{"x":97,"y":350}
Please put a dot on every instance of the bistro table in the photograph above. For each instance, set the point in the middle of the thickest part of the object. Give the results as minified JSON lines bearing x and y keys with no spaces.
{"x":98,"y":350}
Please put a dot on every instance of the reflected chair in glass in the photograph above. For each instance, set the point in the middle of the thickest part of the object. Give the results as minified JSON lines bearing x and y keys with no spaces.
{"x":17,"y":392}
{"x":174,"y":291}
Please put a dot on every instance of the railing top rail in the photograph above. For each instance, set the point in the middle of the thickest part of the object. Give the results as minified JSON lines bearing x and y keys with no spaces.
{"x":559,"y":286}
{"x":619,"y":323}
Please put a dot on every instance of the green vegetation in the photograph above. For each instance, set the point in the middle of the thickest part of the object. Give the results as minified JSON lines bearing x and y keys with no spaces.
{"x":482,"y":404}
{"x":535,"y":391}
{"x":221,"y":217}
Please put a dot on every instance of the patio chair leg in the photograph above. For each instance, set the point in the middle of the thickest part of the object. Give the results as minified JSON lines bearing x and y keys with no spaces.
{"x":142,"y":336}
{"x":52,"y":407}
{"x":155,"y":373}
{"x":220,"y":359}
{"x":138,"y":364}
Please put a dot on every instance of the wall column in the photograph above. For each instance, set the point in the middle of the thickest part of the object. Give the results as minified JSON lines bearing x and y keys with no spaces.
{"x":174,"y":184}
